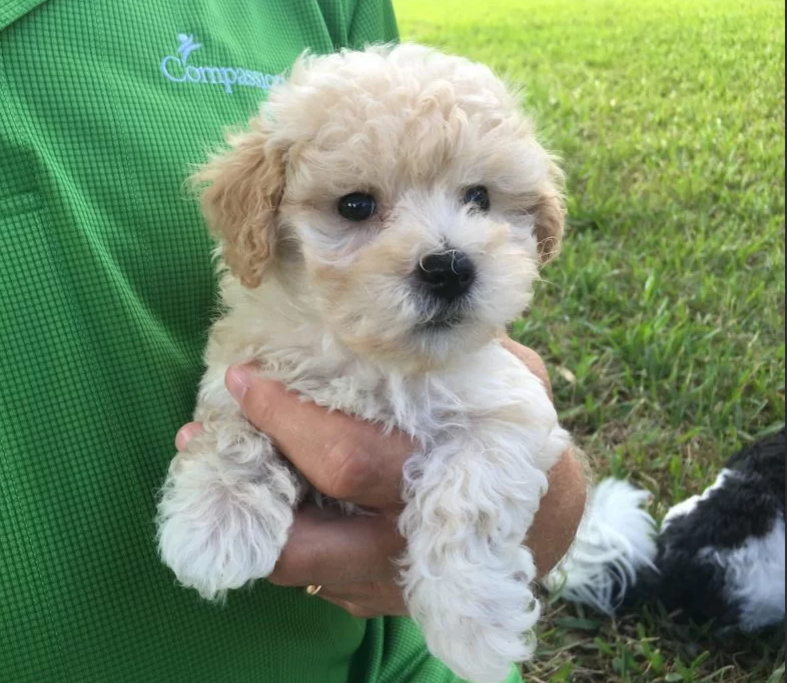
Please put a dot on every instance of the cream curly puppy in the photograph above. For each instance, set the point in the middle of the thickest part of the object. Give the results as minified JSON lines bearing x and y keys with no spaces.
{"x":380,"y":222}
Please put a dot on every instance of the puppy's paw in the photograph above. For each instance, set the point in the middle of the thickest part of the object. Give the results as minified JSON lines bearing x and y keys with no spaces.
{"x":223,"y":520}
{"x":479,"y":623}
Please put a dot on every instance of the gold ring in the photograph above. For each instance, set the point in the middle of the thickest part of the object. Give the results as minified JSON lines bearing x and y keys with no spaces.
{"x":313,"y":590}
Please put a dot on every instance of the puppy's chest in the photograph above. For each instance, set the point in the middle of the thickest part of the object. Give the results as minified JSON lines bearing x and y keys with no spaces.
{"x":413,"y":406}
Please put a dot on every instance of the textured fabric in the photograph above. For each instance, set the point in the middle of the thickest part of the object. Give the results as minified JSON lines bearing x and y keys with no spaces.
{"x":106,"y":294}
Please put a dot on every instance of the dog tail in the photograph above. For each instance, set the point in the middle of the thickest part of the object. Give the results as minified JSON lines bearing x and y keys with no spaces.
{"x":612,"y":561}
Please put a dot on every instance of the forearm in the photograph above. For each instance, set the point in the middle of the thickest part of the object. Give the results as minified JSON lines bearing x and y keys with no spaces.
{"x":561,"y":511}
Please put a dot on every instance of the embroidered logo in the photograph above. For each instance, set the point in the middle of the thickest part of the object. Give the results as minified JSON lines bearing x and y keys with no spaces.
{"x":187,"y":46}
{"x":176,"y":68}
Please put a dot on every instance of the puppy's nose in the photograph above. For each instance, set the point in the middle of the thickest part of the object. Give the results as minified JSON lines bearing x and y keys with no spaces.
{"x":448,"y":275}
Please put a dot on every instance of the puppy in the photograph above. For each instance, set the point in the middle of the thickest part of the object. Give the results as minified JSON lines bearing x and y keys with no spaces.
{"x":721,"y":555}
{"x":718,"y":557}
{"x":380,"y":221}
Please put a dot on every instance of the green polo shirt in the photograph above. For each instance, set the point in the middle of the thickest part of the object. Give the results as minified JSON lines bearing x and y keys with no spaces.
{"x":106,"y":294}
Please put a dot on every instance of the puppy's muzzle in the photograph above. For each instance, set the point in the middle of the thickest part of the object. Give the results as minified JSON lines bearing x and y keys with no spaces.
{"x":447,"y":276}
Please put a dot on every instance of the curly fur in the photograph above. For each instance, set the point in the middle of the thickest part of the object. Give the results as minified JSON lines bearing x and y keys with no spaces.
{"x":331,"y":309}
{"x":719,"y":557}
{"x":615,"y":542}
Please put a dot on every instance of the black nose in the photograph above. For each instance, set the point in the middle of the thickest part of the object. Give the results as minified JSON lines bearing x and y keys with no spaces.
{"x":448,"y":275}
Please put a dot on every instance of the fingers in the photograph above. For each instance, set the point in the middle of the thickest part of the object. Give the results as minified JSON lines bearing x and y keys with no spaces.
{"x":367,"y":600}
{"x":186,"y":433}
{"x":354,"y":610}
{"x":531,"y":359}
{"x":341,"y":456}
{"x":328,"y":550}
{"x":559,"y":515}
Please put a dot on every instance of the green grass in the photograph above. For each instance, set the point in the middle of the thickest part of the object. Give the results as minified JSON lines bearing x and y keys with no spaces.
{"x":663,"y":320}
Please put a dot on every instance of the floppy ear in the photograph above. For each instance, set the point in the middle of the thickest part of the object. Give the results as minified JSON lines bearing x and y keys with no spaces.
{"x":242,"y":191}
{"x":550,"y":214}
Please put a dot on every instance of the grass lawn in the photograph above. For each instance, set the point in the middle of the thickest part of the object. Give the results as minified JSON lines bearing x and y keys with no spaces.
{"x":663,"y":320}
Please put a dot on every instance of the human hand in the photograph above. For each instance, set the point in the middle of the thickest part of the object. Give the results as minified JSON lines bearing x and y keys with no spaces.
{"x":353,"y":559}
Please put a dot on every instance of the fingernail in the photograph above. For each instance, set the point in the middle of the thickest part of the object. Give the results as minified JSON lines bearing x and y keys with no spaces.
{"x":237,"y":381}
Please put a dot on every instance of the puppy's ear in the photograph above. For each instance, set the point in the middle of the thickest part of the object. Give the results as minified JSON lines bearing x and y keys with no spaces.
{"x":550,"y":214}
{"x":242,"y":189}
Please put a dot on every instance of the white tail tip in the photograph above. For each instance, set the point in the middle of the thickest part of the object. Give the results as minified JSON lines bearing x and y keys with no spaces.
{"x":615,"y":541}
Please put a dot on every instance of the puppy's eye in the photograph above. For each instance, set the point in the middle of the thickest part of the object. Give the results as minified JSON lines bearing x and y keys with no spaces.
{"x":357,"y":207}
{"x":478,"y":197}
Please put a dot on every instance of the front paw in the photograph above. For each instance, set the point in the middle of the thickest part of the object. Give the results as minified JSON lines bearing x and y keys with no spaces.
{"x":479,"y":623}
{"x":217,"y":529}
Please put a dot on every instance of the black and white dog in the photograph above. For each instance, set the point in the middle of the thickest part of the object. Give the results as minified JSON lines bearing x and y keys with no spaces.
{"x":719,"y":557}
